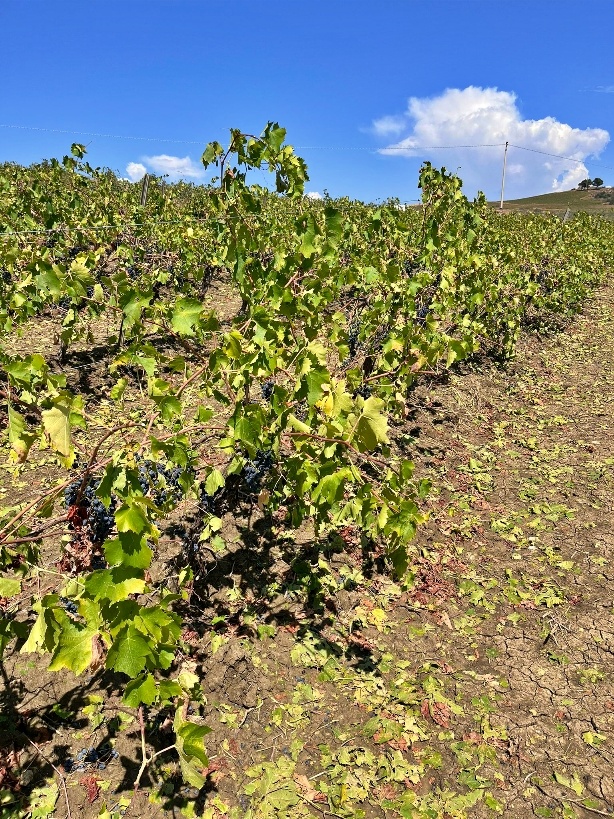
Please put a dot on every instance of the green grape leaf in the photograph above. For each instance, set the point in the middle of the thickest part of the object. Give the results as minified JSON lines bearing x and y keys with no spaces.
{"x":118,"y":389}
{"x":215,"y":480}
{"x":19,"y":439}
{"x":141,"y":691}
{"x":131,"y":518}
{"x":191,"y":749}
{"x":74,"y":645}
{"x":169,"y":689}
{"x":129,"y":652}
{"x":42,"y":800}
{"x":43,"y":632}
{"x":372,"y":426}
{"x":330,"y":487}
{"x":312,"y":383}
{"x":9,"y":586}
{"x":186,"y":315}
{"x":211,"y":153}
{"x":57,"y":425}
{"x":275,"y":137}
{"x":114,"y":584}
{"x":129,"y":549}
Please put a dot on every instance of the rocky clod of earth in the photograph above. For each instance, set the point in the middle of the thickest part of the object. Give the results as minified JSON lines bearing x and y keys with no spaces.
{"x":230,"y":676}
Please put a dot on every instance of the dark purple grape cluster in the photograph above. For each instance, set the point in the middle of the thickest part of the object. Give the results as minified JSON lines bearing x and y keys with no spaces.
{"x":364,"y":391}
{"x":69,"y":606}
{"x":98,"y":520}
{"x":410,"y":267}
{"x":160,"y":482}
{"x":73,"y":252}
{"x":255,"y":471}
{"x":422,"y":313}
{"x":353,"y":343}
{"x":88,"y":758}
{"x":208,"y":502}
{"x":267,"y":389}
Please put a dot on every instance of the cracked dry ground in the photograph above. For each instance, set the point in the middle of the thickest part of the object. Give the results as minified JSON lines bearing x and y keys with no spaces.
{"x":480,"y":686}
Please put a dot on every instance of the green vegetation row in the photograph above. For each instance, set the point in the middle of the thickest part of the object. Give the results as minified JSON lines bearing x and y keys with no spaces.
{"x":283,"y":399}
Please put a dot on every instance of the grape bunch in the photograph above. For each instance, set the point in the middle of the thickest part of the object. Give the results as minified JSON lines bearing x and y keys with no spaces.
{"x":254,"y":472}
{"x":160,"y":482}
{"x":208,"y":502}
{"x":422,"y":313}
{"x":88,"y":758}
{"x":190,"y":544}
{"x":93,"y":515}
{"x":267,"y":389}
{"x":73,"y":252}
{"x":354,"y":331}
{"x":364,"y":391}
{"x":69,"y":606}
{"x":410,"y":267}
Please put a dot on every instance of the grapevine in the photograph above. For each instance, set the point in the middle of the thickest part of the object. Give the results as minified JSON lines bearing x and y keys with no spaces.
{"x":285,"y":404}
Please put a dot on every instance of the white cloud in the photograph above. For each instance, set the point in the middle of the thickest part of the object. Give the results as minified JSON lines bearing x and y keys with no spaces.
{"x":389,"y":126}
{"x":605,"y":89}
{"x":177,"y":167}
{"x":313,"y":195}
{"x":486,"y":116}
{"x":135,"y":171}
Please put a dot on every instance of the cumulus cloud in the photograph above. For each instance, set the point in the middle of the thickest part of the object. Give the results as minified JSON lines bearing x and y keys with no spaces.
{"x":390,"y":126}
{"x":313,"y":195}
{"x":135,"y":171}
{"x":177,"y":167}
{"x":485,"y":117}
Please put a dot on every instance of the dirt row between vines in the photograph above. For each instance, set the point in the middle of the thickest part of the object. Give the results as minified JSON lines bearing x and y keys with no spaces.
{"x":480,"y":686}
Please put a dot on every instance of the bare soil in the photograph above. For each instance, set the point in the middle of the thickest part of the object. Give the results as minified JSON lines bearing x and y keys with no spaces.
{"x":481,"y":685}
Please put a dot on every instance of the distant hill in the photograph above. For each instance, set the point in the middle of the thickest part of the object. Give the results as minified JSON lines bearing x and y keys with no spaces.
{"x":591,"y":201}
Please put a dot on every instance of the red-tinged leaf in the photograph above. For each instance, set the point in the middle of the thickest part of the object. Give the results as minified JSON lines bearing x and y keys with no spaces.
{"x":92,"y":788}
{"x":440,"y":713}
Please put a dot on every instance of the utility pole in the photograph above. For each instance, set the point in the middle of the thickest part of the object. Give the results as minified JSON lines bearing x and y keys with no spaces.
{"x":503,"y":176}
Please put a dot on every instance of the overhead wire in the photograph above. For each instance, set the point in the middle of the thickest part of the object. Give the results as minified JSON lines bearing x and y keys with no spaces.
{"x":387,"y":150}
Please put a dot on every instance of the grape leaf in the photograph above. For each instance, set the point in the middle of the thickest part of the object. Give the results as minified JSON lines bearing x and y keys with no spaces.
{"x":191,"y":749}
{"x":186,"y":315}
{"x":114,"y":584}
{"x":57,"y":425}
{"x":129,"y":652}
{"x":141,"y":691}
{"x":372,"y":426}
{"x":74,"y":645}
{"x":9,"y":587}
{"x":129,"y":549}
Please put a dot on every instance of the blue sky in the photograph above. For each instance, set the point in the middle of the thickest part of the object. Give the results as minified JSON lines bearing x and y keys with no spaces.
{"x":361,"y":87}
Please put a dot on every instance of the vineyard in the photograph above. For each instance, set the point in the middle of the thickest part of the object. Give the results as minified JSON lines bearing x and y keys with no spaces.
{"x":304,"y":503}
